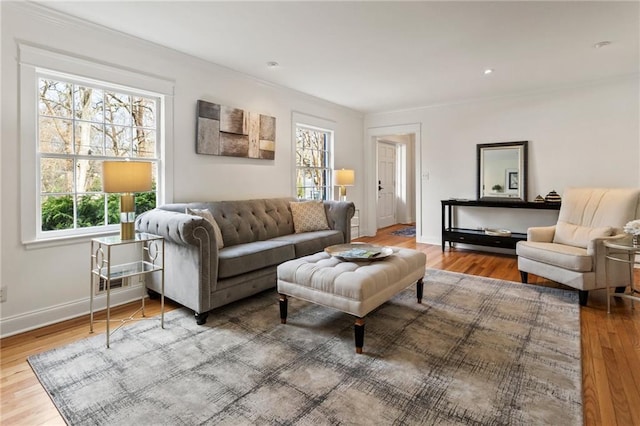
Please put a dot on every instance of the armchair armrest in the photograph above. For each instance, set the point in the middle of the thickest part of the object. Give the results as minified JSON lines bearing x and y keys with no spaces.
{"x":541,"y":234}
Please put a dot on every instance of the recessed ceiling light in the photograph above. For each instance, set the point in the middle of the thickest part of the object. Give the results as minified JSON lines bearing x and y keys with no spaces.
{"x":273,"y":64}
{"x":601,"y":44}
{"x":488,"y":71}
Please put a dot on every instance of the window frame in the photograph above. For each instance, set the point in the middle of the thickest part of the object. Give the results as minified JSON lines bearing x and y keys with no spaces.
{"x":300,"y":120}
{"x":75,"y":193}
{"x":36,"y":63}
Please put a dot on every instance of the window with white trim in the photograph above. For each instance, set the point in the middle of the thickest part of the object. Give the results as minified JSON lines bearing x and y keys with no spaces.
{"x":74,"y":114}
{"x":314,"y":162}
{"x":79,"y":126}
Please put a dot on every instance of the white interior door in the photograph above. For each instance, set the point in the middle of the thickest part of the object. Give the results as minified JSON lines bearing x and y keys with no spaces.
{"x":386,"y":185}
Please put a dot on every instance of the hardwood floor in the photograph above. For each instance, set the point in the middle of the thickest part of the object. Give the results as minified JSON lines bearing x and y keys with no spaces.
{"x":610,"y":344}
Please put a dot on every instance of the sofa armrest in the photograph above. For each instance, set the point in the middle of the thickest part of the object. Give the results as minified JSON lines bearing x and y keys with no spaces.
{"x":339,"y":214}
{"x":541,"y":234}
{"x":190,"y":243}
{"x":178,"y":228}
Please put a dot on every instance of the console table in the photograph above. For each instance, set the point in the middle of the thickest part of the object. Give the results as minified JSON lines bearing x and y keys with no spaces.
{"x":477,"y":236}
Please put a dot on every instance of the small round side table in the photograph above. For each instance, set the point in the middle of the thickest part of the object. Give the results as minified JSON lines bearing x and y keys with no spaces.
{"x":622,"y":250}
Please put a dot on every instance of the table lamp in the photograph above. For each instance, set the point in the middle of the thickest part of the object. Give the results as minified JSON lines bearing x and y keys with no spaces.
{"x":125,"y":178}
{"x":343,"y":178}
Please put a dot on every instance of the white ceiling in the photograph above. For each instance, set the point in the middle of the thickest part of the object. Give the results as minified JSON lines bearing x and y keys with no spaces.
{"x":382,"y":56}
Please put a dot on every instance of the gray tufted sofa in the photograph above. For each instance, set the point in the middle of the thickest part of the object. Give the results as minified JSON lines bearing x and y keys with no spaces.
{"x":258,"y":235}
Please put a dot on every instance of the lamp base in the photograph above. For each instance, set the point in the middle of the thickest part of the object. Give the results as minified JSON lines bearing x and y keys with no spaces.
{"x":343,"y":193}
{"x":127,"y":216}
{"x":127,"y":231}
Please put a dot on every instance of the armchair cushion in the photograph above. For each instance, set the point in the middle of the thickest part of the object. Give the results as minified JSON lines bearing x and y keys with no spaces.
{"x":577,"y":235}
{"x":560,"y":255}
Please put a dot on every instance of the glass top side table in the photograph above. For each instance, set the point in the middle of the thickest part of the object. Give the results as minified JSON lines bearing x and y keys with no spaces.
{"x":622,"y":250}
{"x":148,"y":259}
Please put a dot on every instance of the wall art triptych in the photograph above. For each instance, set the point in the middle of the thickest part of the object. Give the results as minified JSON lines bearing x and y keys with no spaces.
{"x":235,"y":132}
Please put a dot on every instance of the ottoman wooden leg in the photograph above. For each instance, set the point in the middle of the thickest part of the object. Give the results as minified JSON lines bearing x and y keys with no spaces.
{"x":419,"y":290}
{"x":358,"y":329}
{"x":283,"y":308}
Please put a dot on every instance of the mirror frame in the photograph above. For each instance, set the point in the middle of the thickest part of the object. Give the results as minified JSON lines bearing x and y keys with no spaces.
{"x":523,"y":170}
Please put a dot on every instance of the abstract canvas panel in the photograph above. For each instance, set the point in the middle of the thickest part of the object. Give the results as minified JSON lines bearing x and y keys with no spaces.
{"x":234,"y":132}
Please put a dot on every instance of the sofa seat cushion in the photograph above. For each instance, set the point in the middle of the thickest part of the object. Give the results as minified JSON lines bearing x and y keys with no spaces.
{"x":563,"y":256}
{"x":312,"y":242}
{"x":243,"y":258}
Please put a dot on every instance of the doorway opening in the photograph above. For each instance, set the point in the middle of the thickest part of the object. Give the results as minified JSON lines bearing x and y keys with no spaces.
{"x":393,"y":188}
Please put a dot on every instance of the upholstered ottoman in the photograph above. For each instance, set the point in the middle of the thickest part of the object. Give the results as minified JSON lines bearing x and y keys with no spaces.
{"x":356,"y":288}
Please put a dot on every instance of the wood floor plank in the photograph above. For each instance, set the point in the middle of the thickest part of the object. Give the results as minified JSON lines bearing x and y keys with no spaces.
{"x":610,"y":344}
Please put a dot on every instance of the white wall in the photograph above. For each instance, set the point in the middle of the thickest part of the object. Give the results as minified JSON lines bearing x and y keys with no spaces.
{"x":580,"y":136}
{"x":49,"y":284}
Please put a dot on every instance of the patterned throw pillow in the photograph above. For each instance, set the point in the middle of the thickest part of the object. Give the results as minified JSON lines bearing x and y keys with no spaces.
{"x":206,"y":215}
{"x":308,"y":216}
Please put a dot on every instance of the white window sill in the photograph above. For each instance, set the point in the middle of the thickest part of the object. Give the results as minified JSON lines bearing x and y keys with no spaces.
{"x":65,"y":240}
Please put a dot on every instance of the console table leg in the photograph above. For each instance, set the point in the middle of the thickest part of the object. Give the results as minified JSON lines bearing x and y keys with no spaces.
{"x":358,"y":330}
{"x":283,"y":308}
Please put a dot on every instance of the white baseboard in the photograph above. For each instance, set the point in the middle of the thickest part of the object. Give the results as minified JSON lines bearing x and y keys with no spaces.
{"x":54,"y":314}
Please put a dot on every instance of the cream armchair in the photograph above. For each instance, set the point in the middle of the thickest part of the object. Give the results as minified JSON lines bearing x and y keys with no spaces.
{"x":572,"y":251}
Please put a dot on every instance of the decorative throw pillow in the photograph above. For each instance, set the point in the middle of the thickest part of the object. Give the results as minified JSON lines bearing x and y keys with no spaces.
{"x":206,"y":215}
{"x":577,"y":235}
{"x":308,"y":216}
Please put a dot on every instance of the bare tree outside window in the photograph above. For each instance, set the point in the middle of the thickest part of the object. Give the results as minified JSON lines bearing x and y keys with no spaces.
{"x":313,"y":163}
{"x":78,"y":128}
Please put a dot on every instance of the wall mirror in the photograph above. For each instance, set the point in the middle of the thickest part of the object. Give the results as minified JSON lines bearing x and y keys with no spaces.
{"x":502,"y":171}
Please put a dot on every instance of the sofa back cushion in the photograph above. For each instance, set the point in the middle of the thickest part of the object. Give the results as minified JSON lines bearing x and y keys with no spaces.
{"x":246,"y":221}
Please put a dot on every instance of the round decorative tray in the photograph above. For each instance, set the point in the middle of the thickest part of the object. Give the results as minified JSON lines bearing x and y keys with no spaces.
{"x":358,"y":252}
{"x":498,"y":232}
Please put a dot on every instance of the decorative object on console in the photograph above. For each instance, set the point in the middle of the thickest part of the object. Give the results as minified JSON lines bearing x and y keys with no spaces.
{"x":234,"y":132}
{"x":633,"y":228}
{"x":539,"y":199}
{"x":125,"y":178}
{"x":498,"y":232}
{"x":344,"y":178}
{"x":553,"y":197}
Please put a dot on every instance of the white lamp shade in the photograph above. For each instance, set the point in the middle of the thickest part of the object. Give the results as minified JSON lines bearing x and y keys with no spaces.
{"x":344,"y":177}
{"x":126,"y":176}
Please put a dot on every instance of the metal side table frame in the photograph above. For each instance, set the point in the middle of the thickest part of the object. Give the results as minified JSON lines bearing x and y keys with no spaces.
{"x":627,"y":252}
{"x":151,"y":260}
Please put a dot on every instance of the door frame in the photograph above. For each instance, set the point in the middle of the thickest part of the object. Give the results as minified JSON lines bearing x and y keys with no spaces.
{"x":371,"y":173}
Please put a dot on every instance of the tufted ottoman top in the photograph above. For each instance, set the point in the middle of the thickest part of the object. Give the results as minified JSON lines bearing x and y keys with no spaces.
{"x":352,"y":287}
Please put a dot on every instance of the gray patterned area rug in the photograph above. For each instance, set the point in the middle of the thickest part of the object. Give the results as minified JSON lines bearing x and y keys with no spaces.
{"x":477,"y":351}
